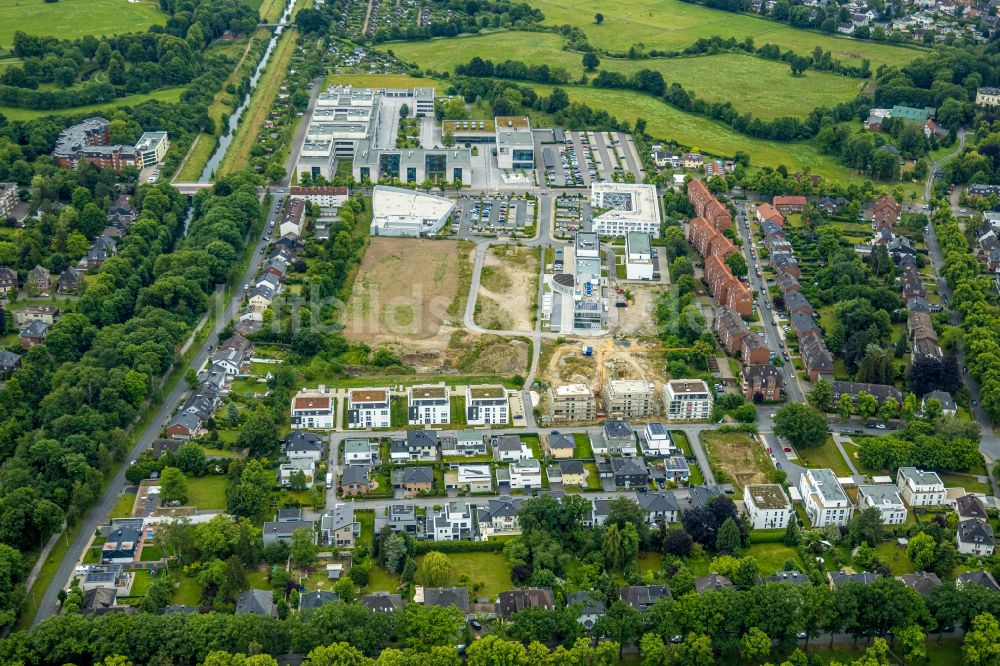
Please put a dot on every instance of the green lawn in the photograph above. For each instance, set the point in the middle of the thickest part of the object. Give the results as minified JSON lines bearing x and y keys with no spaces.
{"x":151,"y":554}
{"x":895,"y":558}
{"x":583,"y":449}
{"x":651,"y":561}
{"x":123,"y":507}
{"x":767,"y":87}
{"x":593,"y":480}
{"x":826,"y":455}
{"x":771,"y":557}
{"x":967,"y":481}
{"x":208,"y":492}
{"x":490,"y":569}
{"x":534,"y":445}
{"x":382,"y":581}
{"x":141,"y":583}
{"x":70,"y":19}
{"x":188,"y":591}
{"x":672,"y":24}
{"x":666,"y":122}
{"x":168,"y":95}
{"x":258,"y":580}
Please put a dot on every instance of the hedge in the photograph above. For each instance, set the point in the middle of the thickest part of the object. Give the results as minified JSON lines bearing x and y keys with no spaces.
{"x":422,"y":547}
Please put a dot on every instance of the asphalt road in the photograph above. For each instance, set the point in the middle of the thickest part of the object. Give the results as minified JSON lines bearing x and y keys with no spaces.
{"x":99,"y":512}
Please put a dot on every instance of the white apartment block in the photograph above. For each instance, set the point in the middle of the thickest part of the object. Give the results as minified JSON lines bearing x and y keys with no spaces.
{"x":920,"y":488}
{"x":629,"y":398}
{"x":429,"y":405}
{"x":572,"y":402}
{"x":368,"y":408}
{"x":767,"y":505}
{"x":656,"y":441}
{"x":824,"y":498}
{"x":885,"y":498}
{"x":486,"y":405}
{"x":687,"y":400}
{"x":313,"y":409}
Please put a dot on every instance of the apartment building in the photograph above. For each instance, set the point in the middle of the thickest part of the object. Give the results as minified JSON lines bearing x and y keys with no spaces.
{"x":920,"y":488}
{"x":429,"y":405}
{"x":885,"y":498}
{"x":486,"y":405}
{"x":368,"y":408}
{"x":313,"y":409}
{"x":767,"y":505}
{"x":572,"y":402}
{"x":629,"y":398}
{"x":824,"y":498}
{"x":687,"y":400}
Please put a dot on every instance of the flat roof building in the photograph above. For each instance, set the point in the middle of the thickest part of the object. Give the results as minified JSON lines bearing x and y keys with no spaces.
{"x":152,"y":148}
{"x":625,"y":207}
{"x":629,"y":398}
{"x":400,"y":212}
{"x":572,"y":402}
{"x":767,"y":505}
{"x":824,"y":498}
{"x":687,"y":399}
{"x":638,"y":256}
{"x":515,"y":144}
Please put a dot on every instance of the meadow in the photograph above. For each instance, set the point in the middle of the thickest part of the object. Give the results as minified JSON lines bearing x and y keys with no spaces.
{"x":69,"y":19}
{"x":672,"y":24}
{"x":764,"y":87}
{"x":167,"y":95}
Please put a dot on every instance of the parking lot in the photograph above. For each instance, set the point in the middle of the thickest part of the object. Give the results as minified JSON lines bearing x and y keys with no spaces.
{"x":572,"y":214}
{"x":583,"y":158}
{"x":494,"y":215}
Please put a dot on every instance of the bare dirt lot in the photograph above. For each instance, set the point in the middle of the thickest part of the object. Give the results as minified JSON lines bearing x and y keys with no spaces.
{"x":564,"y":363}
{"x":738,"y":456}
{"x":403,"y":290}
{"x":638,"y":318}
{"x":508,"y":288}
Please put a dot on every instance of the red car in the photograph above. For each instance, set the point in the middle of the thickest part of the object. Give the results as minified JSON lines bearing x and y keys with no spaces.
{"x":788,"y":449}
{"x":769,"y":450}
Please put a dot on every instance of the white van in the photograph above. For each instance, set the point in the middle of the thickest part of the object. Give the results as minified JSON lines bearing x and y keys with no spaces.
{"x":329,"y":479}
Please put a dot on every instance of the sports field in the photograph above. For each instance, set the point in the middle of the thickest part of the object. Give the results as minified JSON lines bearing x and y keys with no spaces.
{"x":168,"y":95}
{"x":69,"y":19}
{"x":672,"y":24}
{"x":666,"y":122}
{"x":765,"y":88}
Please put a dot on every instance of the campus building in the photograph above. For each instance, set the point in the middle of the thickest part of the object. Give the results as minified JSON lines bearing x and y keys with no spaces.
{"x":151,"y":148}
{"x":638,"y":256}
{"x":401,"y":212}
{"x":515,"y":145}
{"x":627,"y":207}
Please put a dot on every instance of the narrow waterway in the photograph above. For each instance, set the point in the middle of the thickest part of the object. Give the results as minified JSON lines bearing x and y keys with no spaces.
{"x":234,"y":118}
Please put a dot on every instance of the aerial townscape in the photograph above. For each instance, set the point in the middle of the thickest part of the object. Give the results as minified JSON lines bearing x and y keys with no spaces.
{"x":499,"y":332}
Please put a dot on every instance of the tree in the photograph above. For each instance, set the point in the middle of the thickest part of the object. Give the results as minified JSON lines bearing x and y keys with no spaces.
{"x":428,"y":626}
{"x":620,"y":623}
{"x":677,"y":542}
{"x":755,"y":645}
{"x":590,"y":61}
{"x":801,"y":425}
{"x":304,"y":547}
{"x":982,"y":644}
{"x":612,"y":548}
{"x":920,"y":550}
{"x":491,"y":650}
{"x":158,"y":595}
{"x":845,"y":406}
{"x":435,"y":570}
{"x":173,"y":486}
{"x":394,"y":552}
{"x":404,"y":110}
{"x":889,"y":409}
{"x":190,"y":458}
{"x":910,"y":640}
{"x":259,"y":433}
{"x":867,"y":405}
{"x":728,"y":540}
{"x":337,"y":654}
{"x":737,"y":264}
{"x":598,"y":18}
{"x":821,"y":395}
{"x":866,"y":527}
{"x":448,"y":139}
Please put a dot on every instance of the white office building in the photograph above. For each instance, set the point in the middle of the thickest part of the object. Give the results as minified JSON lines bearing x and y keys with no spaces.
{"x":638,"y":256}
{"x":627,"y":207}
{"x":401,"y":212}
{"x":515,"y":145}
{"x":687,"y":400}
{"x":824,"y":498}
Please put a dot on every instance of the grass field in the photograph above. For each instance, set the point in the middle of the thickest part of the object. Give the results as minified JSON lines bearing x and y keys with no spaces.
{"x":765,"y":87}
{"x":737,"y":454}
{"x":671,"y":24}
{"x":490,"y":569}
{"x":168,"y":95}
{"x":255,"y":114}
{"x":384,"y":81}
{"x":123,"y":507}
{"x":827,"y":456}
{"x":208,"y":492}
{"x":70,"y":19}
{"x":666,"y":122}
